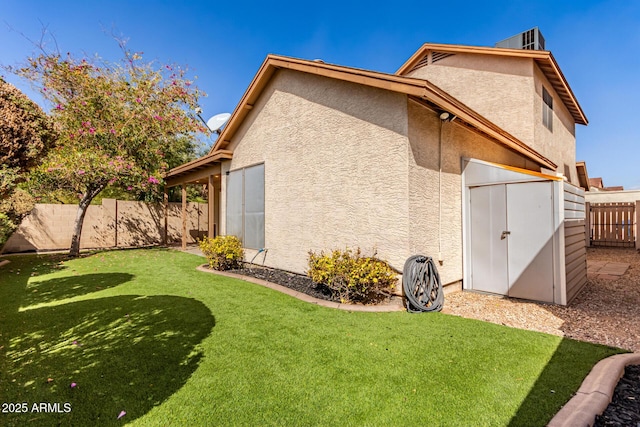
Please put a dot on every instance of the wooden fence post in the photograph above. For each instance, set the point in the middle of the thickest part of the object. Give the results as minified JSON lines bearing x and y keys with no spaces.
{"x":184,"y":216}
{"x":587,"y":222}
{"x":165,"y":205}
{"x":636,"y":222}
{"x":211,"y":206}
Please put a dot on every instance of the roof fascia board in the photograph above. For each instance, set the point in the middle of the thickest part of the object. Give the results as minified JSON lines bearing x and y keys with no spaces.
{"x":418,"y":88}
{"x":565,"y":85}
{"x":486,"y":127}
{"x":543,"y":56}
{"x":483,"y":50}
{"x":200,"y":162}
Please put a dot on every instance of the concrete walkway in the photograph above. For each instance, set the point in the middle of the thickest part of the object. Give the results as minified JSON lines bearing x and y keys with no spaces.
{"x":606,"y":270}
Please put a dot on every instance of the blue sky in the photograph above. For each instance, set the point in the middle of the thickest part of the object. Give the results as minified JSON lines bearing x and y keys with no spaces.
{"x":596,"y":43}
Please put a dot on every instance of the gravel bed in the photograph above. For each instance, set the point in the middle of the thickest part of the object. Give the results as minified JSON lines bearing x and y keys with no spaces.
{"x":624,"y":409}
{"x":297,"y":282}
{"x":605,"y":312}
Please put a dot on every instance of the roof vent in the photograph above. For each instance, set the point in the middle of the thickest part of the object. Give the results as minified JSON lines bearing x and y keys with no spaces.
{"x":530,"y":40}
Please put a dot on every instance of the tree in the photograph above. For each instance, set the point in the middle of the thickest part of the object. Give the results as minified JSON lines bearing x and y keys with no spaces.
{"x":26,"y":134}
{"x":121,"y":124}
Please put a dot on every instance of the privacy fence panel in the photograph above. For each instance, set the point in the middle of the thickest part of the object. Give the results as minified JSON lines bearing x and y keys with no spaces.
{"x":612,"y":224}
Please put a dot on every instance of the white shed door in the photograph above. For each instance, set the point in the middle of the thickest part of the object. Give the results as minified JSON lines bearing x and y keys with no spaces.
{"x":512,"y":240}
{"x":488,"y":250}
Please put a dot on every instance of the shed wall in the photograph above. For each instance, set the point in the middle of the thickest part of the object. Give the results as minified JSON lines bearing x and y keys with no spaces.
{"x":575,"y":240}
{"x":575,"y":257}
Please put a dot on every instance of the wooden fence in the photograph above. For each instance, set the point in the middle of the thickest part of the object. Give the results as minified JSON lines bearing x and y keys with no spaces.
{"x":612,"y":224}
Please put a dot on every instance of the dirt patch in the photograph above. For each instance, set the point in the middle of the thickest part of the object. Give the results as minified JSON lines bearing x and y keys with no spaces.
{"x":607,"y":310}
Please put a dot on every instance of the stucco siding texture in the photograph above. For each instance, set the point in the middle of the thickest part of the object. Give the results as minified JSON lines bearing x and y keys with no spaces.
{"x":559,"y":144}
{"x":335,"y":156}
{"x":508,"y":91}
{"x":612,"y":196}
{"x":500,"y":89}
{"x":424,"y":214}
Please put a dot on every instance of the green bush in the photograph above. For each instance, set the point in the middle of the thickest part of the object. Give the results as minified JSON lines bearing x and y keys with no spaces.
{"x":6,"y":228}
{"x":351,"y":276}
{"x":13,"y":208}
{"x":223,"y":252}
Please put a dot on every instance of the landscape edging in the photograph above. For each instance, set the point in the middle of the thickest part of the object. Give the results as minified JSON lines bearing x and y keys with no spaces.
{"x":392,"y":306}
{"x":595,"y":393}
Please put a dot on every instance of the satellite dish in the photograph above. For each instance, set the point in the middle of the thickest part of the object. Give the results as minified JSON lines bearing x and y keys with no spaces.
{"x":217,"y":121}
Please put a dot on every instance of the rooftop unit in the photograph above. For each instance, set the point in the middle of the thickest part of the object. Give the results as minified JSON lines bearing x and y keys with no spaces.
{"x":530,"y":40}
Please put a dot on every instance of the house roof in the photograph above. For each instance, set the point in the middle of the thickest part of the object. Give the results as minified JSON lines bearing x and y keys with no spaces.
{"x":418,"y":89}
{"x":596,"y":182}
{"x":583,"y":175}
{"x":543,"y":58}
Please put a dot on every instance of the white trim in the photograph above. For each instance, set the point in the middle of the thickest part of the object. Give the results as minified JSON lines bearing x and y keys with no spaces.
{"x":477,"y":173}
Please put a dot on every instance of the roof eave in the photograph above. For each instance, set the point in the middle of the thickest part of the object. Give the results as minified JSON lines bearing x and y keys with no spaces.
{"x":542,"y":57}
{"x":418,"y":88}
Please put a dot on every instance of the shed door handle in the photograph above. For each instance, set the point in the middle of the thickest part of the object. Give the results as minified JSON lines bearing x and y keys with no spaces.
{"x":504,"y":235}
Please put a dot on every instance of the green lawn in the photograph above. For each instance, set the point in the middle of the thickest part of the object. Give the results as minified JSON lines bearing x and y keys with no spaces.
{"x":142,"y":331}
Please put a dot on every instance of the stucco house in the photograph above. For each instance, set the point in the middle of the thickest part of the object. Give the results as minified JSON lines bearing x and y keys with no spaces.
{"x":451,"y":157}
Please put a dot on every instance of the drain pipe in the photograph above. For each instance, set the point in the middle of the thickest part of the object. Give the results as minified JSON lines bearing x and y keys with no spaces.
{"x":444,"y":117}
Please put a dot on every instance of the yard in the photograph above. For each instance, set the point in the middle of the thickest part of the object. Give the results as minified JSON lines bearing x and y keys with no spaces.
{"x":142,"y":335}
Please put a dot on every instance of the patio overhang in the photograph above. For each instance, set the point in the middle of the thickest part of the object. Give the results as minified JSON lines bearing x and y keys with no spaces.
{"x":203,"y":171}
{"x":197,"y":171}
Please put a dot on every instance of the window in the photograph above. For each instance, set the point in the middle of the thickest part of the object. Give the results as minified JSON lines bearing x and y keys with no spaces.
{"x":547,"y":110}
{"x":245,"y":205}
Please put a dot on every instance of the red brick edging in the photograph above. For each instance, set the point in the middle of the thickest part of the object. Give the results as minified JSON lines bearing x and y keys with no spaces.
{"x":595,"y":393}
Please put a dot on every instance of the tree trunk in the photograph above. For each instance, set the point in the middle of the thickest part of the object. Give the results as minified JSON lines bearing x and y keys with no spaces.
{"x":74,"y":250}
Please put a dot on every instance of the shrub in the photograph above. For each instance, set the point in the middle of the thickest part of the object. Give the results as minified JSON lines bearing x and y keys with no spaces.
{"x":13,"y":208}
{"x":351,"y":276}
{"x":223,"y":252}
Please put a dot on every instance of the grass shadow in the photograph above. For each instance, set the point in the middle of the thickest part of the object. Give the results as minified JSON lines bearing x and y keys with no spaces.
{"x":561,"y":377}
{"x":124,"y":353}
{"x":40,"y":292}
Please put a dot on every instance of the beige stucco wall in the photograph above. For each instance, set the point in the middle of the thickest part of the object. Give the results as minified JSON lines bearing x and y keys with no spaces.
{"x":560,"y":145}
{"x":500,"y":89}
{"x":347,"y":165}
{"x":612,"y":196}
{"x":508,"y":91}
{"x":114,"y":223}
{"x":335,"y":156}
{"x":424,"y":201}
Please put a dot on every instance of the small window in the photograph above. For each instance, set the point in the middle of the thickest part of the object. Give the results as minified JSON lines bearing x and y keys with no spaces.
{"x":547,"y":110}
{"x":245,"y":206}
